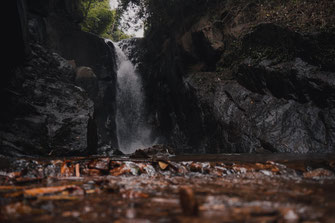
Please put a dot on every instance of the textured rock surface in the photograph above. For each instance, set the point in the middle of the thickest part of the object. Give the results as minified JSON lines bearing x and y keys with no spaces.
{"x":54,"y":23}
{"x":46,"y":113}
{"x":239,"y":120}
{"x":228,"y":82}
{"x":268,"y":104}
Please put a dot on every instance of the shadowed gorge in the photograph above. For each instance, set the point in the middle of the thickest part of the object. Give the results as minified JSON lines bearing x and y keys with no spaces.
{"x":223,"y":112}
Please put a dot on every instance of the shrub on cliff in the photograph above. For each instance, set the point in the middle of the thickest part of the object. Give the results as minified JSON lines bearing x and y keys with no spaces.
{"x":98,"y":17}
{"x":101,"y":20}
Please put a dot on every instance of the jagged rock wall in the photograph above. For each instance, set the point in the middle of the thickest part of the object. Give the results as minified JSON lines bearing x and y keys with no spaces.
{"x":232,"y":83}
{"x":44,"y":112}
{"x":54,"y":23}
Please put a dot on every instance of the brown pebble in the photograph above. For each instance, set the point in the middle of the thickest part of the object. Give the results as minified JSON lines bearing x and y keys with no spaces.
{"x":188,"y":201}
{"x":163,"y":165}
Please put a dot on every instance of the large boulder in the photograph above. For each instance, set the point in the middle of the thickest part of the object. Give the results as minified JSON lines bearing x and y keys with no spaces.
{"x":239,"y":120}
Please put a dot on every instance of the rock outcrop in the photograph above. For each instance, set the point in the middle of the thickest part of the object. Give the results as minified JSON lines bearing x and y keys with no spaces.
{"x":54,"y":23}
{"x":229,"y":79}
{"x":270,"y":103}
{"x":44,"y":111}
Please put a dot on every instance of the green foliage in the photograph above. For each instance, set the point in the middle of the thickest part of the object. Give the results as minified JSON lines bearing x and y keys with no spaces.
{"x":162,"y":14}
{"x":116,"y":35}
{"x":101,"y":20}
{"x":98,"y":17}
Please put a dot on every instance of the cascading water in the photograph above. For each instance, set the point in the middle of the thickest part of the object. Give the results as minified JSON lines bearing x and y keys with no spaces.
{"x":132,"y":132}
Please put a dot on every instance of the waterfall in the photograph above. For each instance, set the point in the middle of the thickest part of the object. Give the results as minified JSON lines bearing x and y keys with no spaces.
{"x":132,"y":131}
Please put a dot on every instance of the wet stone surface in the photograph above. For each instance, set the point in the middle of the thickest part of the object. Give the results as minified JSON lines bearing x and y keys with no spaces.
{"x":227,"y":188}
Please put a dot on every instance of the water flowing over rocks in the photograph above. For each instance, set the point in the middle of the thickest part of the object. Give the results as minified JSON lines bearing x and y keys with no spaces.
{"x":132,"y":131}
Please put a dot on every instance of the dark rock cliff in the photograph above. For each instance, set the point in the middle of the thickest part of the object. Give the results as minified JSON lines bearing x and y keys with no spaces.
{"x":229,"y":79}
{"x":45,"y":113}
{"x":55,"y":24}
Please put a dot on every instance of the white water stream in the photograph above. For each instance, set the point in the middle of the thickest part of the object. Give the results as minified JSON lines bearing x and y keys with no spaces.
{"x":132,"y":132}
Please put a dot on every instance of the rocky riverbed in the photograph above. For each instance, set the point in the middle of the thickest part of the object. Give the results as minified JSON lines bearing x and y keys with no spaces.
{"x":221,"y":188}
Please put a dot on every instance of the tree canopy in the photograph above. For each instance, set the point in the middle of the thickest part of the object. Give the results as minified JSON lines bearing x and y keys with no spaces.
{"x":158,"y":14}
{"x":101,"y":20}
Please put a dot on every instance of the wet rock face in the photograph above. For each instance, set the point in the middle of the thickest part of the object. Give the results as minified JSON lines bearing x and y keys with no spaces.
{"x":54,"y":23}
{"x":264,"y":88}
{"x":294,"y":80}
{"x":47,"y":114}
{"x":239,"y":120}
{"x":274,"y":100}
{"x":90,"y":50}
